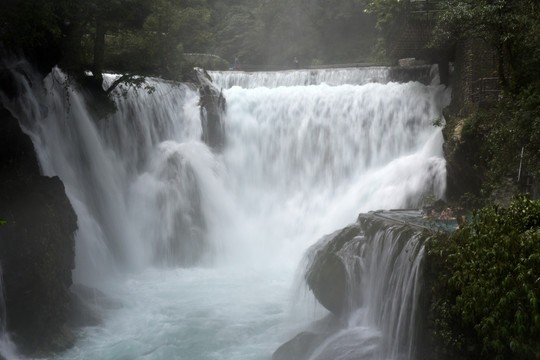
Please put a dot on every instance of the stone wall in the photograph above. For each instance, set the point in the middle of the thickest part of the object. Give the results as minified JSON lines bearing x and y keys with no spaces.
{"x":473,"y":60}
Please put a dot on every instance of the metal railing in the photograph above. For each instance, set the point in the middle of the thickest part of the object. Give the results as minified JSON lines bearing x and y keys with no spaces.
{"x":485,"y":88}
{"x":427,"y":10}
{"x":411,"y":30}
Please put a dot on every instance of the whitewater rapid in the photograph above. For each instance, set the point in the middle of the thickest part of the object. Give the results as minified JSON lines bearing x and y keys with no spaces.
{"x":197,"y":251}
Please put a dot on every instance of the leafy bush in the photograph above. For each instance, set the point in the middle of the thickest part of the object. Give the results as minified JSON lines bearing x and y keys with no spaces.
{"x":486,"y":296}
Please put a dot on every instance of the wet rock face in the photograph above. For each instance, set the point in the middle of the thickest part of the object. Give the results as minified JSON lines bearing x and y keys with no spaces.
{"x":327,"y":280}
{"x":327,"y":275}
{"x":212,"y":104}
{"x":465,"y":173}
{"x":36,"y":246}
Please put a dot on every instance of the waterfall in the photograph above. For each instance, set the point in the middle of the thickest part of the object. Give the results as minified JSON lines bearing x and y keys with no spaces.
{"x":375,"y":267}
{"x":201,"y":247}
{"x":329,"y":152}
{"x":7,"y":347}
{"x":332,"y":76}
{"x":353,"y":76}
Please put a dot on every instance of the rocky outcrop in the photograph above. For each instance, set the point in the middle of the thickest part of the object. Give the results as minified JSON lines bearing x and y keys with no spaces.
{"x":36,"y":246}
{"x":333,"y":272}
{"x":464,"y":137}
{"x":465,"y":171}
{"x":212,"y":104}
{"x":375,"y":264}
{"x":326,"y":275}
{"x":302,"y":346}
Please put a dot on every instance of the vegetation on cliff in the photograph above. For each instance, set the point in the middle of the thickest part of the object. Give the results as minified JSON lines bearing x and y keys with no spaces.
{"x":486,"y":294}
{"x":496,"y":148}
{"x":510,"y":28}
{"x":494,"y":133}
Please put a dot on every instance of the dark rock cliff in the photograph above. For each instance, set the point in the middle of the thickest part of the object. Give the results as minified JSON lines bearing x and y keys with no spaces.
{"x":36,"y":245}
{"x":212,"y":105}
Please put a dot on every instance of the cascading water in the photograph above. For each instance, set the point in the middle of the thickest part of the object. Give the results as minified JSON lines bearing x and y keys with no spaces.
{"x":369,"y":275}
{"x":7,"y":347}
{"x":200,"y":248}
{"x":353,"y":76}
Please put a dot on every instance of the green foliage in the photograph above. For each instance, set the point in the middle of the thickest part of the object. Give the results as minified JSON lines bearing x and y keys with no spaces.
{"x":510,"y":27}
{"x":26,"y":24}
{"x":274,"y":32}
{"x":526,"y":123}
{"x":157,"y":46}
{"x":490,"y":142}
{"x":389,"y":15}
{"x":236,"y":30}
{"x":144,"y":36}
{"x":437,"y":122}
{"x":149,"y":37}
{"x":387,"y":11}
{"x":3,"y":222}
{"x":486,"y":300}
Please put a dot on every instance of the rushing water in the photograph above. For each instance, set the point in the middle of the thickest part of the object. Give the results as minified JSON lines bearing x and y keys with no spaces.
{"x":8,"y":350}
{"x":353,"y":76}
{"x":381,"y":255}
{"x":196,"y":250}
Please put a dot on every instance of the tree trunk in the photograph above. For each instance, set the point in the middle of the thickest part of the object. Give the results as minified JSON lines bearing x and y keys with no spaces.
{"x":99,"y":50}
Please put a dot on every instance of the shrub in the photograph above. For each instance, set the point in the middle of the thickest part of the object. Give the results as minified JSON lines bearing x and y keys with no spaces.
{"x":486,"y":297}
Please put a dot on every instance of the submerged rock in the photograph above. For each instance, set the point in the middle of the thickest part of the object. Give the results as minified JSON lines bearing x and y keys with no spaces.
{"x":302,"y":346}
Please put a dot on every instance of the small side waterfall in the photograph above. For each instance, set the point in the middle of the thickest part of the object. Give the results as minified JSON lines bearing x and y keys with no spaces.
{"x":369,"y":276}
{"x":7,"y":347}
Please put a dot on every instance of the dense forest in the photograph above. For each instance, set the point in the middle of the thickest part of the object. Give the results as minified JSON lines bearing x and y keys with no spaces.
{"x":158,"y":37}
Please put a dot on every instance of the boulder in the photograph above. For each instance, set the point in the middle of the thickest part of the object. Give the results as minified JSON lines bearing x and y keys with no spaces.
{"x":304,"y":344}
{"x":327,"y":275}
{"x":36,"y":246}
{"x":212,"y":104}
